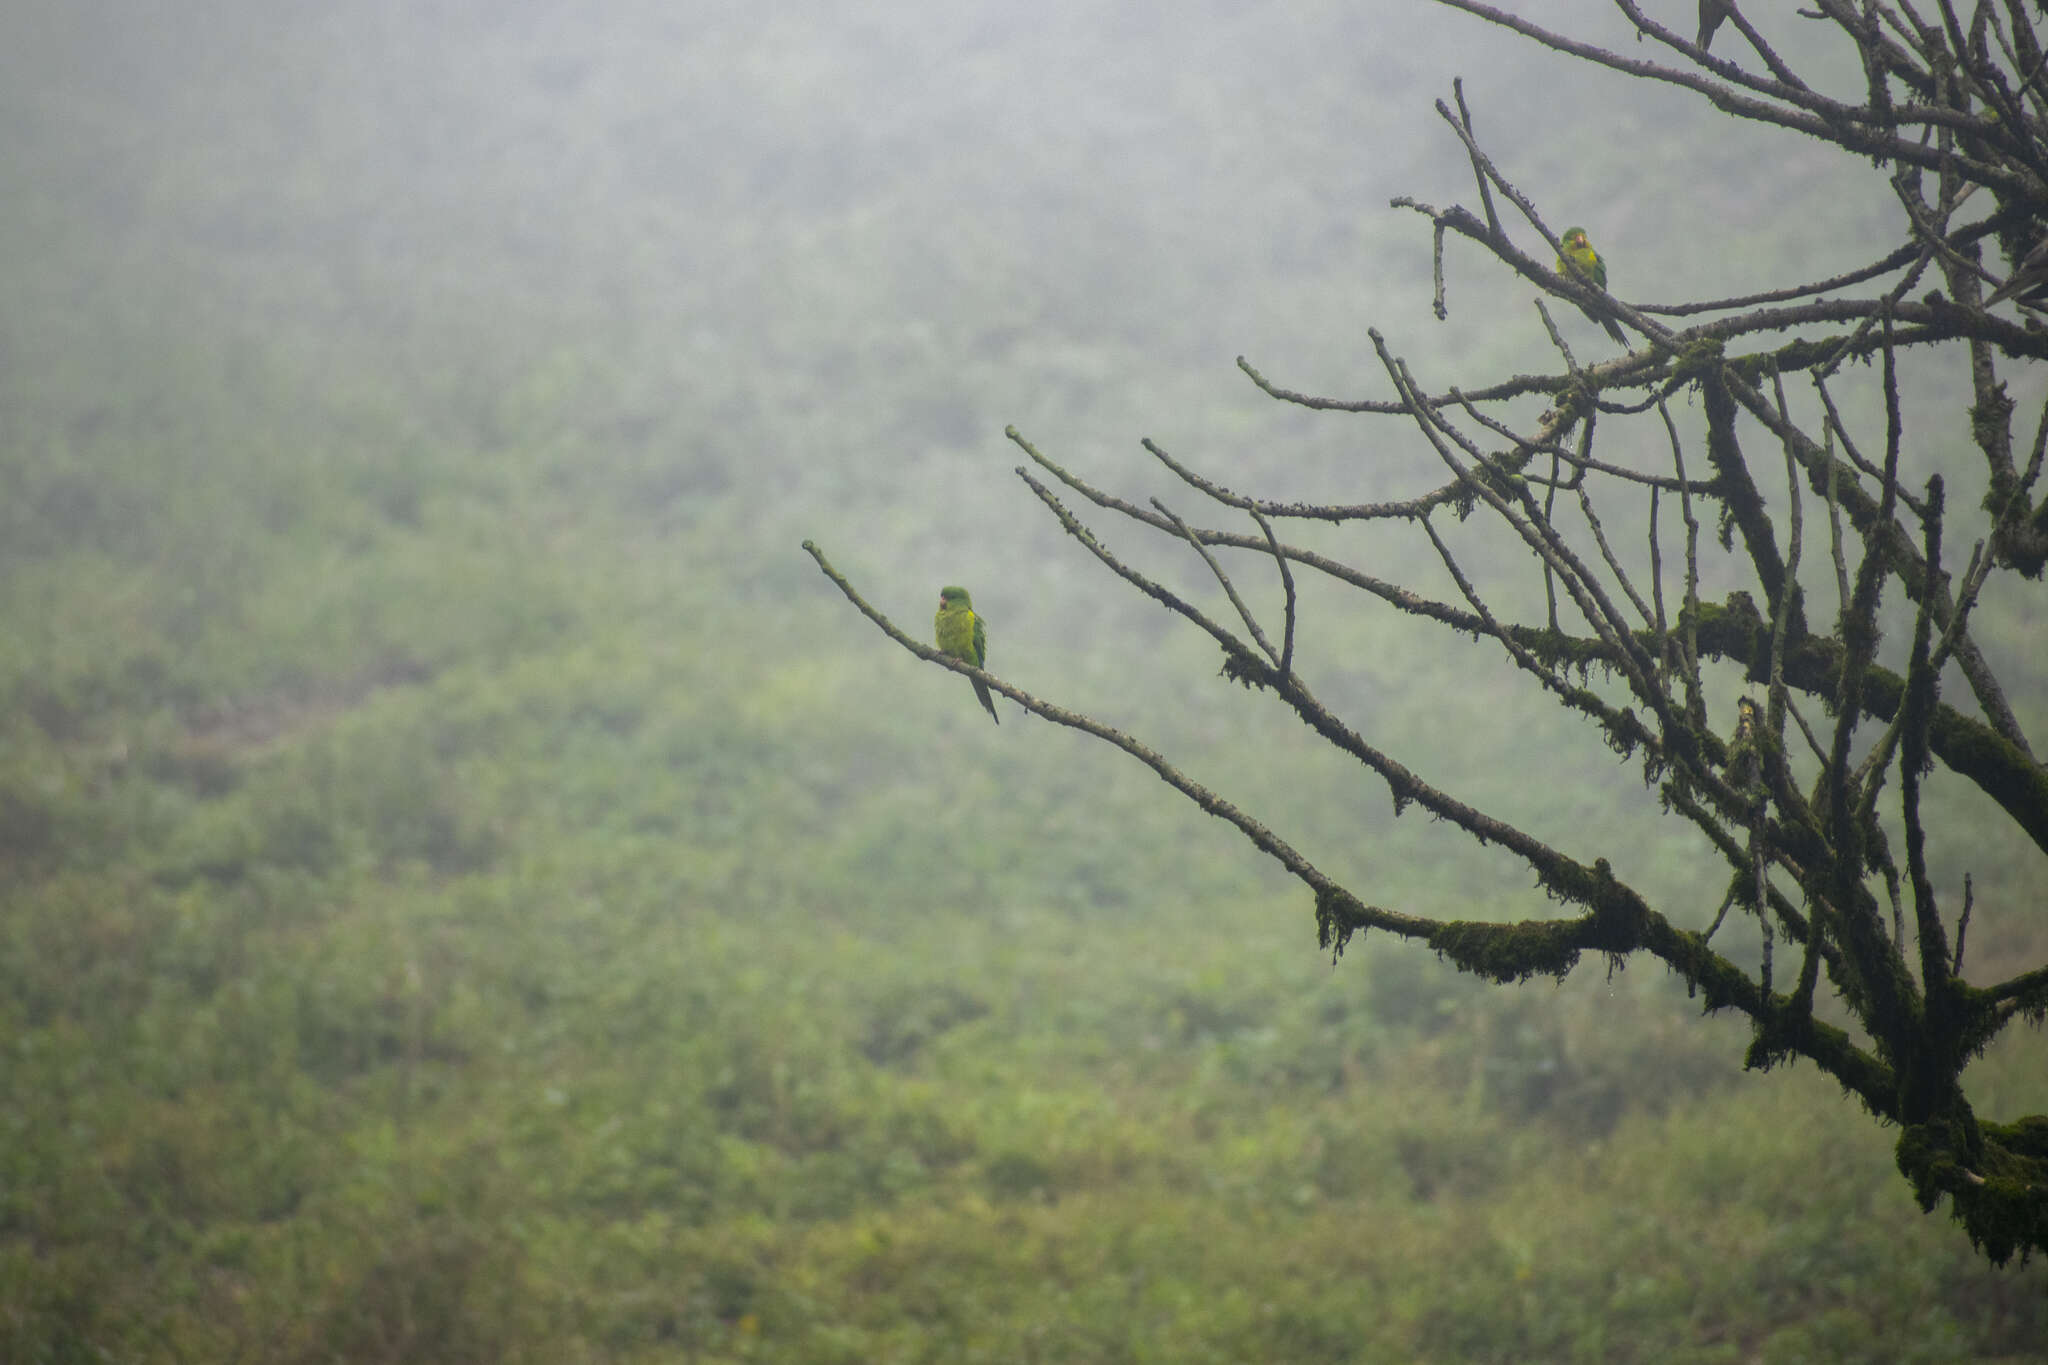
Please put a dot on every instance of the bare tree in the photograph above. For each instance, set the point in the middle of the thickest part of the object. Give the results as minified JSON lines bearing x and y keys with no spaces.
{"x":1796,"y":791}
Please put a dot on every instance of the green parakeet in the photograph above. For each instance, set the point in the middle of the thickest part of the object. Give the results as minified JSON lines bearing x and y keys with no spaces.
{"x":960,"y":634}
{"x":1580,"y":262}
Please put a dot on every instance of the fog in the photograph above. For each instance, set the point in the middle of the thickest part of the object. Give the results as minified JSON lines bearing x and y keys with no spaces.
{"x":410,"y":414}
{"x":814,"y":254}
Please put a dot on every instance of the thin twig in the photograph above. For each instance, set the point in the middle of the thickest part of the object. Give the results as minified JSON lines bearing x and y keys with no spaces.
{"x":1485,"y":191}
{"x":1230,"y":590}
{"x":1963,"y":920}
{"x":1286,"y":582}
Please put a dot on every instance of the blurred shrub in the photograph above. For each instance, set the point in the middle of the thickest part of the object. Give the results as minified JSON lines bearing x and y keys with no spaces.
{"x":898,"y":1027}
{"x":1450,"y":1161}
{"x":46,"y":820}
{"x":1018,"y":1175}
{"x":442,"y":1291}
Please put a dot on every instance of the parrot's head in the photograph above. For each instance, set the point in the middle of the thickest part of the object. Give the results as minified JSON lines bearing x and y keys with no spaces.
{"x":952,"y":598}
{"x":1574,"y":239}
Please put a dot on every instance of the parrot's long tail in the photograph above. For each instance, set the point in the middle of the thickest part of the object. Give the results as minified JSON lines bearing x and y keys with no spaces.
{"x":1613,"y":327}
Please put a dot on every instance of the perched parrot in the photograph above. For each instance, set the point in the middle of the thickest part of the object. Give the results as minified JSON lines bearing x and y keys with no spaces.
{"x":960,"y":634}
{"x":1580,"y":262}
{"x":1712,"y":13}
{"x":2029,"y":278}
{"x":1744,"y":759}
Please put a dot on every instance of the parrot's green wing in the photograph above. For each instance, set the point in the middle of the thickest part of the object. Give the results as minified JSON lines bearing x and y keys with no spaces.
{"x":980,"y":660}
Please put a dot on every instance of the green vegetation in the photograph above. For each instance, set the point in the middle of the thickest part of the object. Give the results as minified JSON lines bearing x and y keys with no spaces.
{"x":389,"y":1073}
{"x":466,"y":894}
